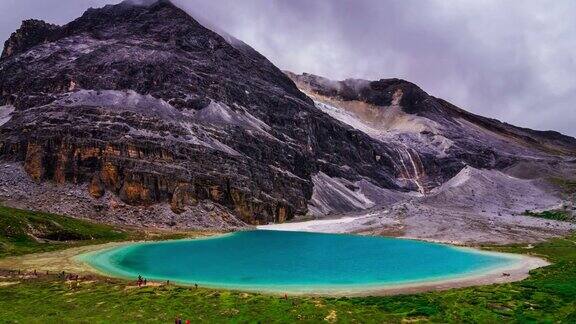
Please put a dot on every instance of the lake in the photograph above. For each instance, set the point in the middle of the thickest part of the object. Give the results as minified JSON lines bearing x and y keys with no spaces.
{"x":295,"y":261}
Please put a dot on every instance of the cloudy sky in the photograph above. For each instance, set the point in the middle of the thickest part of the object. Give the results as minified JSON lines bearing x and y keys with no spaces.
{"x":514,"y":60}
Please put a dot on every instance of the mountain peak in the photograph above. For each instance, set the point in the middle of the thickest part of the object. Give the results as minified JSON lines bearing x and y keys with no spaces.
{"x":160,"y":20}
{"x":138,"y":104}
{"x":383,"y":92}
{"x":31,"y":33}
{"x":147,"y":3}
{"x":208,"y":120}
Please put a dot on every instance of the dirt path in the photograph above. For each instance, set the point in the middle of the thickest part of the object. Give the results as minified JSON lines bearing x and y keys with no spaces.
{"x":56,"y":261}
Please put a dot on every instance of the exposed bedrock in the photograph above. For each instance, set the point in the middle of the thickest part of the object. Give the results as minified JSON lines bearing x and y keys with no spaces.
{"x":474,"y":207}
{"x":31,"y":33}
{"x":141,"y":106}
{"x":433,"y":138}
{"x":145,"y":175}
{"x":145,"y":103}
{"x":18,"y":190}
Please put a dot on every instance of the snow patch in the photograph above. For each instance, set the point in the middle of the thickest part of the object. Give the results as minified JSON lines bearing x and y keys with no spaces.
{"x":75,"y":46}
{"x":376,"y":121}
{"x":348,"y":118}
{"x":286,"y":172}
{"x":458,"y":180}
{"x":389,"y":124}
{"x":6,"y":114}
{"x":339,"y":225}
{"x":122,"y":100}
{"x":215,"y":144}
{"x":220,"y":113}
{"x":198,"y":136}
{"x":337,"y":195}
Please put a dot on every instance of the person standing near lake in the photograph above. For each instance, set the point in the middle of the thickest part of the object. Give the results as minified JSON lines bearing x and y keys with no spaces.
{"x":139,"y":281}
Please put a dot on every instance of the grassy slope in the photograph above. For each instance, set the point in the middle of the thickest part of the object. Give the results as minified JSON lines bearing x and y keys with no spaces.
{"x":23,"y":232}
{"x":549,"y":295}
{"x":559,"y":215}
{"x":568,"y":188}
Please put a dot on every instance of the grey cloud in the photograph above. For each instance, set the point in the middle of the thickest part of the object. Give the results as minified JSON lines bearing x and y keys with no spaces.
{"x":512,"y":60}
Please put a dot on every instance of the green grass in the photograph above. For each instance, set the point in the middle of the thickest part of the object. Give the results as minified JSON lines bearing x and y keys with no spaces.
{"x":23,"y":232}
{"x":559,"y":215}
{"x":548,"y":296}
{"x":568,"y":189}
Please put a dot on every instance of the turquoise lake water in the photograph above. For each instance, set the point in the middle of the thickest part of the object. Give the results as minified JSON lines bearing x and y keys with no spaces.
{"x":294,"y":261}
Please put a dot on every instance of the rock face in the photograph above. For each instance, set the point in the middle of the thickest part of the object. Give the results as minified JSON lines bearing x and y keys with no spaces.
{"x":138,"y":105}
{"x":32,"y":33}
{"x":145,"y":103}
{"x":434,"y":138}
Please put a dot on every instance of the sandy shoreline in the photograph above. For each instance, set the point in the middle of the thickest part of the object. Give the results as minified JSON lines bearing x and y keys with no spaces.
{"x":516,"y":272}
{"x":336,"y":225}
{"x":67,"y":260}
{"x":57,"y":261}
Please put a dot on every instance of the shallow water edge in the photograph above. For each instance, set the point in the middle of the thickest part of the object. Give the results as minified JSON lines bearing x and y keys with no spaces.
{"x":516,"y":270}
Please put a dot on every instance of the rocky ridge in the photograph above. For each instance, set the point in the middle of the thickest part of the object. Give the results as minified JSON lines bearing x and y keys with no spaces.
{"x":139,"y":115}
{"x":423,"y":128}
{"x":145,"y":103}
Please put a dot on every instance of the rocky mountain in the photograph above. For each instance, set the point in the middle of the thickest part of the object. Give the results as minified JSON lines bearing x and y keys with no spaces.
{"x":143,"y":102}
{"x":398,"y":112}
{"x":137,"y":114}
{"x":495,"y":171}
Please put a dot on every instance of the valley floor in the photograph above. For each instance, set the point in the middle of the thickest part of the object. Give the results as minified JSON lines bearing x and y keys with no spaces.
{"x":485,"y":207}
{"x":473,"y":208}
{"x":66,"y":260}
{"x":548,"y":295}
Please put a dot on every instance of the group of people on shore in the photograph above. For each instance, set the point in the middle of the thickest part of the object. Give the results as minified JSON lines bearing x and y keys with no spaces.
{"x":68,"y":276}
{"x":35,"y":273}
{"x":141,"y":281}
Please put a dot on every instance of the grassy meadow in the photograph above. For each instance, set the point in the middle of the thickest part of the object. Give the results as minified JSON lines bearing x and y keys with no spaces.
{"x":549,"y":295}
